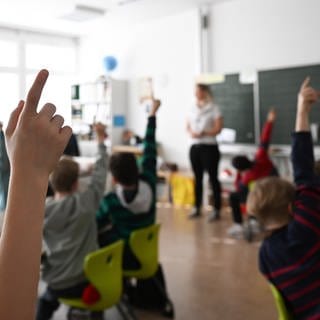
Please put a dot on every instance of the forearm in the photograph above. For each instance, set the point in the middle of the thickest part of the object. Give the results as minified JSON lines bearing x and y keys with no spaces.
{"x":149,"y":160}
{"x":266,"y":134}
{"x":215,"y":129}
{"x":302,"y":121}
{"x":20,"y":245}
{"x":211,"y":133}
{"x":302,"y":158}
{"x":99,"y":173}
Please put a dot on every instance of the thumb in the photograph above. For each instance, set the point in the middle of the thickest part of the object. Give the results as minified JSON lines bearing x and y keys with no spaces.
{"x":14,"y":117}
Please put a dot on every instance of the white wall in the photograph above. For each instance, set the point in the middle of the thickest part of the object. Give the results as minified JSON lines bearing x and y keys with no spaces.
{"x":263,"y":34}
{"x":165,"y":49}
{"x":246,"y":35}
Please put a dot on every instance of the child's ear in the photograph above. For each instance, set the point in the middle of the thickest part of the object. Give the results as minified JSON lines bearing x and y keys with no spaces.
{"x":114,"y":180}
{"x":75,"y":186}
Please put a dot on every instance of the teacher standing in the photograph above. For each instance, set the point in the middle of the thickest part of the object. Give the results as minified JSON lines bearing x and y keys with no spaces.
{"x":204,"y":123}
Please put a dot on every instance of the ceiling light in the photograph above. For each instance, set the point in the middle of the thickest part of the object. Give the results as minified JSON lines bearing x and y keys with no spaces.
{"x":125,"y":2}
{"x":84,"y":13}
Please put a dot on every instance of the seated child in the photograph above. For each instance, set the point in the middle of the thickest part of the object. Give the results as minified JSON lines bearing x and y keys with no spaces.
{"x":290,"y":255}
{"x":248,"y":172}
{"x":129,"y":138}
{"x":70,"y":231}
{"x":133,"y":203}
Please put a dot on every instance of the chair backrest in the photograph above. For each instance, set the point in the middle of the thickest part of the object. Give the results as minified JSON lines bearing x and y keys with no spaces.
{"x":103,"y":268}
{"x":144,"y":244}
{"x":283,"y":313}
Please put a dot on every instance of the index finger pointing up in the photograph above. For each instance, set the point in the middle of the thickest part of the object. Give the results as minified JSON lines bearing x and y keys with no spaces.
{"x":305,"y":83}
{"x":35,"y":91}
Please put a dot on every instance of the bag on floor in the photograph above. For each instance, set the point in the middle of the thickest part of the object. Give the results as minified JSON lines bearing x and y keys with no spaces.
{"x":151,"y":294}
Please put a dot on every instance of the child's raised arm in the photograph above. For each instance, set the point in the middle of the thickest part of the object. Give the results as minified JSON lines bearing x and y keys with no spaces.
{"x":302,"y":147}
{"x":35,"y":141}
{"x":149,"y":158}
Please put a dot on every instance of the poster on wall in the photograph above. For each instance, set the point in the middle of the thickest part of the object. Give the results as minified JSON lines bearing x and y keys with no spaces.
{"x":146,"y":92}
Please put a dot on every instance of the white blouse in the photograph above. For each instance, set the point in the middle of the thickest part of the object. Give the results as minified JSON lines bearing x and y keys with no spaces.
{"x":202,"y":119}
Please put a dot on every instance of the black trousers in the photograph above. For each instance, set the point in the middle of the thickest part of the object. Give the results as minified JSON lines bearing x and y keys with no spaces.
{"x":129,"y":261}
{"x":48,"y":303}
{"x":203,"y":158}
{"x":236,"y":199}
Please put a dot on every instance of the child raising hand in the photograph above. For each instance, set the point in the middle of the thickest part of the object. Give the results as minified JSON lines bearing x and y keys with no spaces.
{"x":35,"y":142}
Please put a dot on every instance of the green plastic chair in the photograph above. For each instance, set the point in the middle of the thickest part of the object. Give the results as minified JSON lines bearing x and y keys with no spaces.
{"x":144,"y":244}
{"x":103,"y":269}
{"x":283,"y":312}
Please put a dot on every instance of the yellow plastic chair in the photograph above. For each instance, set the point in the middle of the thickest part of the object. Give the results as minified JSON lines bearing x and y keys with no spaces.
{"x":283,"y":312}
{"x":103,"y":269}
{"x":144,"y":245}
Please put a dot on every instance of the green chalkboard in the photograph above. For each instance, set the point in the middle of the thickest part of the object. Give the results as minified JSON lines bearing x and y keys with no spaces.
{"x":237,"y":105}
{"x":279,"y":88}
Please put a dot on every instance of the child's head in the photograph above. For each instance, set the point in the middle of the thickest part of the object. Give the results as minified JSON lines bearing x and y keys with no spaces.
{"x":270,"y":201}
{"x":124,"y":168}
{"x":65,"y":176}
{"x":242,"y":163}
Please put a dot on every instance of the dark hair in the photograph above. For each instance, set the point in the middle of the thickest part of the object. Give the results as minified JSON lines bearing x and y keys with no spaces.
{"x":242,"y":163}
{"x":124,"y":168}
{"x":205,"y":88}
{"x":64,"y":175}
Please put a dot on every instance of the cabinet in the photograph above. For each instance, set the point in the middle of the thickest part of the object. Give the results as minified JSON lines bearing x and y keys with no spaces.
{"x":104,"y":100}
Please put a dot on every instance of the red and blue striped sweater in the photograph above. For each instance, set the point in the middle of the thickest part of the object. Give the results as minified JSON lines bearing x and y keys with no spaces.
{"x":290,"y":257}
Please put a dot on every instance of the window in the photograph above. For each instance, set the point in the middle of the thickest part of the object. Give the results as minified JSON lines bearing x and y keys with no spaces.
{"x":23,"y":54}
{"x":61,"y":59}
{"x":9,"y":53}
{"x":9,"y":98}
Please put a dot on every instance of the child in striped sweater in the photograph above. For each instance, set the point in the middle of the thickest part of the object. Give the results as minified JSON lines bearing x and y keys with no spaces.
{"x":290,"y":254}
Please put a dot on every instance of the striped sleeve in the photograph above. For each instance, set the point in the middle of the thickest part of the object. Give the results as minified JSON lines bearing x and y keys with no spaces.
{"x":307,"y":202}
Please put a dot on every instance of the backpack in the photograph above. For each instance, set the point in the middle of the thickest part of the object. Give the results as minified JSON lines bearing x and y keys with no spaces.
{"x":151,"y":294}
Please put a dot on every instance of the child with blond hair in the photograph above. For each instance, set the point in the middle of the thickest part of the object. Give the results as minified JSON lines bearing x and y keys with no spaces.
{"x":290,"y":254}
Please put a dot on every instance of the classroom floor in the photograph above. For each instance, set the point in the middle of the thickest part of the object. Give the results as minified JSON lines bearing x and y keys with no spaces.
{"x":209,"y":276}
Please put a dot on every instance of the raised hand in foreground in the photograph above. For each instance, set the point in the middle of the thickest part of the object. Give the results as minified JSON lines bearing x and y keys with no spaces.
{"x":35,"y":142}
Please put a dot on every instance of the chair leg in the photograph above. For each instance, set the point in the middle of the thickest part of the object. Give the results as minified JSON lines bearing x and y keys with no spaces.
{"x":168,"y":310}
{"x":122,"y":312}
{"x":126,"y":311}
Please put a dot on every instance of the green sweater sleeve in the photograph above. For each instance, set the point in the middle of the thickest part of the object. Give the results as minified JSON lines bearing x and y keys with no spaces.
{"x":149,"y":158}
{"x":103,"y":213}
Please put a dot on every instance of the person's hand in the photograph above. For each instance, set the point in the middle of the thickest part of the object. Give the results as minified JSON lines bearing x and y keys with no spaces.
{"x":307,"y":96}
{"x":195,"y":135}
{"x":156,"y":103}
{"x":100,"y":130}
{"x":36,"y":140}
{"x":271,"y":115}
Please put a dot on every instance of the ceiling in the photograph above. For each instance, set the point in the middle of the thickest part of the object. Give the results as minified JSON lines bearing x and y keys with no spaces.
{"x":46,"y":14}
